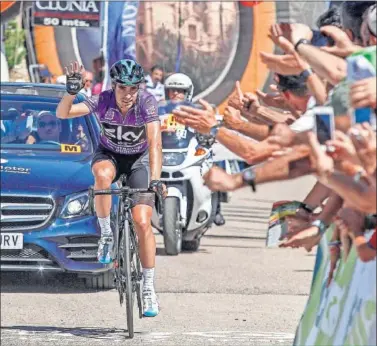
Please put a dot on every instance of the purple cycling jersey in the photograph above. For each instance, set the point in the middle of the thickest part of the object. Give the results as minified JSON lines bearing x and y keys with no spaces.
{"x":124,"y":134}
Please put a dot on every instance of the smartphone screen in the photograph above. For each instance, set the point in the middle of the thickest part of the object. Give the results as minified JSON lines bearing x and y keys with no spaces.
{"x":324,"y":123}
{"x":362,"y":115}
{"x":323,"y":126}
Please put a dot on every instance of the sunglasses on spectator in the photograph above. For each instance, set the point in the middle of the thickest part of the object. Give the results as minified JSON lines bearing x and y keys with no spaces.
{"x":43,"y":124}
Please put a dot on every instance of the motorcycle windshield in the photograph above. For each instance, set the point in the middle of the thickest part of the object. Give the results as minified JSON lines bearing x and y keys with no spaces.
{"x":173,"y":134}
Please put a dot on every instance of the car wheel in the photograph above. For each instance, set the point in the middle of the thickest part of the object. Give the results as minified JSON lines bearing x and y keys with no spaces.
{"x":101,"y":281}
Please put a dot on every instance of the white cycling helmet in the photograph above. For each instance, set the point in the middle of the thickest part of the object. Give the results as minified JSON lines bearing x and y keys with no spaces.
{"x":179,"y":81}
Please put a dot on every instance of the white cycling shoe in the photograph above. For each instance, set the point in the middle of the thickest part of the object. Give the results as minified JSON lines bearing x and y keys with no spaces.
{"x":105,"y":249}
{"x":150,"y":304}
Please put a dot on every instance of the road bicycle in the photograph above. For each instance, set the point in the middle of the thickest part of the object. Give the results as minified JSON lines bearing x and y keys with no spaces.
{"x":127,"y":266}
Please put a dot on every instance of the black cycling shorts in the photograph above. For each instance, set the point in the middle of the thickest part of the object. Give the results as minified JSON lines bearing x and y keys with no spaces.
{"x":135,"y":167}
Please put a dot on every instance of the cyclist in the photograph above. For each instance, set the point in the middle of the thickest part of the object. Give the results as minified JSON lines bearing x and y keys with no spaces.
{"x":130,"y":143}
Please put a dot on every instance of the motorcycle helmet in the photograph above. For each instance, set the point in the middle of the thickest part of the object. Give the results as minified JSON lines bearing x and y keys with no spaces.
{"x":179,"y":81}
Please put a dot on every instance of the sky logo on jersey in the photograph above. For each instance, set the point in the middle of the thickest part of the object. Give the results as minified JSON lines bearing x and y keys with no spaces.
{"x":125,"y":135}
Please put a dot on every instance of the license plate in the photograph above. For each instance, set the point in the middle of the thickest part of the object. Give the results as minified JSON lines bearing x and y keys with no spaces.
{"x":12,"y":241}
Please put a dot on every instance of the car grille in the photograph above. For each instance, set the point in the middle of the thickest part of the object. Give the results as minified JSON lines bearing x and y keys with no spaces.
{"x":21,"y":213}
{"x":31,"y":257}
{"x":81,"y":248}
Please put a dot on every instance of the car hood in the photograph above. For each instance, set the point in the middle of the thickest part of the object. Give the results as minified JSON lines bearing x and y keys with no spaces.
{"x":45,"y":173}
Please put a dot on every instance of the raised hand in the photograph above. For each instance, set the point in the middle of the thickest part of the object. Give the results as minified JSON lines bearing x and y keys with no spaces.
{"x":235,"y":100}
{"x":75,"y":78}
{"x":200,"y":120}
{"x":343,"y":45}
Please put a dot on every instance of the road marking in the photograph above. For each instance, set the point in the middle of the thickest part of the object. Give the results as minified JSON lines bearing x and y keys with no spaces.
{"x":220,"y":337}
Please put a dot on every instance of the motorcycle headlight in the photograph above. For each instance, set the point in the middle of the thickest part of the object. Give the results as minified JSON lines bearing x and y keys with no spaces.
{"x":173,"y":159}
{"x":76,"y":205}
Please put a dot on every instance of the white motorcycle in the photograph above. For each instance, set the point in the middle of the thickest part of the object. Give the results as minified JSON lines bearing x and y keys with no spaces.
{"x":189,"y":209}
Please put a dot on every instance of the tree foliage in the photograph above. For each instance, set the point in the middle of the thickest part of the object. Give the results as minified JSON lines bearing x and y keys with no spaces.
{"x":14,"y":44}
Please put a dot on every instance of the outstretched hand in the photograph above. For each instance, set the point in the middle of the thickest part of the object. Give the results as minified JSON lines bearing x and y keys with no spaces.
{"x":200,"y":120}
{"x":75,"y":78}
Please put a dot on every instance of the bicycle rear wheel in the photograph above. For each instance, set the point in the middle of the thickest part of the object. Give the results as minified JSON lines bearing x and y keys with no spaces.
{"x":128,"y":279}
{"x":136,"y":269}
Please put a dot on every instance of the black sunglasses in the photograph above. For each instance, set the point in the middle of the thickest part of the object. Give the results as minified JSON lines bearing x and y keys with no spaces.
{"x":44,"y":124}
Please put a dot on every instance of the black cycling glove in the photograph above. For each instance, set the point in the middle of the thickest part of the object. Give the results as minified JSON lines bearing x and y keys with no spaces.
{"x":157,"y":185}
{"x":74,"y":83}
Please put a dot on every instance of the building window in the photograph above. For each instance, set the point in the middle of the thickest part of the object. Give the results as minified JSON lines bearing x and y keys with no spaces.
{"x":192,"y":32}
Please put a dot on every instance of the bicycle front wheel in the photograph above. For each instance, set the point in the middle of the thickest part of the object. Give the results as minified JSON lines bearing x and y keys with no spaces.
{"x":128,"y":277}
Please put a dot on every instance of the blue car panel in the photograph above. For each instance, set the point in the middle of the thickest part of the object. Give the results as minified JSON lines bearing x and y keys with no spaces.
{"x":44,"y":183}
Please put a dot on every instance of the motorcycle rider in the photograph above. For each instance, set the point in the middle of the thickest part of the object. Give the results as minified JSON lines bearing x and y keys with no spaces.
{"x":179,"y":88}
{"x":130,"y":143}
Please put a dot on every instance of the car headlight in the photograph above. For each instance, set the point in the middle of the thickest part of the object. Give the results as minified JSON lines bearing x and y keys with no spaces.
{"x":173,"y":159}
{"x":76,"y":205}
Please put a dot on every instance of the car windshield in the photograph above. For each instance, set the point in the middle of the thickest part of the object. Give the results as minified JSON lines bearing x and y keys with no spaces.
{"x":173,"y":134}
{"x":34,"y":126}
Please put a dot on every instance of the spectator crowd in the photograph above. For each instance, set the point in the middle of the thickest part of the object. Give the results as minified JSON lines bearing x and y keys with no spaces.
{"x":284,"y":135}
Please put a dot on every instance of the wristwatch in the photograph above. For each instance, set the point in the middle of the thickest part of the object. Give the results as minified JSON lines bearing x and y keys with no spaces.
{"x":301,"y":41}
{"x":306,"y":73}
{"x":248,"y":176}
{"x":306,"y":207}
{"x":215,"y":129}
{"x":321,"y":226}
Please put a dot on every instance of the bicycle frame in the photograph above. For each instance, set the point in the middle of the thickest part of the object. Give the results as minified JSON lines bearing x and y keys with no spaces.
{"x":127,"y":265}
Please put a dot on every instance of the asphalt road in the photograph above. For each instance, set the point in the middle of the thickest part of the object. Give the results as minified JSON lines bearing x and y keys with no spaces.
{"x":233,"y":291}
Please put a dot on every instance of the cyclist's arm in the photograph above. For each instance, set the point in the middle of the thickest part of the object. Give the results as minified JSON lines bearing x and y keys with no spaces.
{"x":66,"y":109}
{"x":150,"y":111}
{"x":155,"y":149}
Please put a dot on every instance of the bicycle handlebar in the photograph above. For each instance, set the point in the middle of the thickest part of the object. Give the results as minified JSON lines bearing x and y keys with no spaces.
{"x":125,"y":190}
{"x":121,"y":191}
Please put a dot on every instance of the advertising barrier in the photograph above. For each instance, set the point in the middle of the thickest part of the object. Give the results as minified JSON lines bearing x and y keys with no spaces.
{"x":345,"y":312}
{"x":67,"y":13}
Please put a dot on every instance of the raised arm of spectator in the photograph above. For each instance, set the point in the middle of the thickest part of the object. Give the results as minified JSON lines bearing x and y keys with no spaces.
{"x":289,"y":166}
{"x":326,"y":65}
{"x":292,"y":64}
{"x":249,"y":106}
{"x":203,"y":120}
{"x":233,"y":120}
{"x":359,"y":193}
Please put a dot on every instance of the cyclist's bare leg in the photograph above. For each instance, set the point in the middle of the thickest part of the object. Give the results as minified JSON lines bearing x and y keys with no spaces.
{"x":104,"y":173}
{"x":142,"y":215}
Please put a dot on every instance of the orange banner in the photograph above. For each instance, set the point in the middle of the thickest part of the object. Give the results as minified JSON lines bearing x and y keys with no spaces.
{"x":4,"y":5}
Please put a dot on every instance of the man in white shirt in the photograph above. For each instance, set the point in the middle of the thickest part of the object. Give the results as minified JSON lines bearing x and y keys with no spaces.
{"x":153,"y":83}
{"x":87,"y":89}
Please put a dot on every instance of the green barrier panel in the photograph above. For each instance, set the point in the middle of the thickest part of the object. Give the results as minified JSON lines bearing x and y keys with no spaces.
{"x":345,"y":312}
